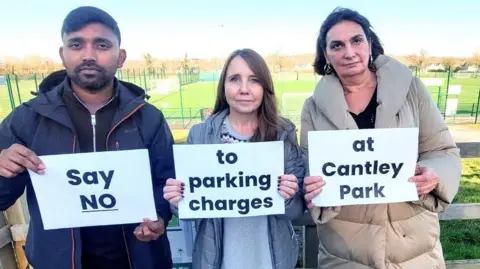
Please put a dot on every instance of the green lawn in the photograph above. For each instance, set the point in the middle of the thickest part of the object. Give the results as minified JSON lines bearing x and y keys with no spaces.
{"x":461,"y":238}
{"x":202,"y":94}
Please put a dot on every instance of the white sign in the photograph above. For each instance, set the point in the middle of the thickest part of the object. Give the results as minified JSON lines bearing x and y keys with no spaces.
{"x":452,"y":105}
{"x":90,"y":189}
{"x":230,"y":180}
{"x":432,"y":82}
{"x":368,"y":166}
{"x":454,"y":89}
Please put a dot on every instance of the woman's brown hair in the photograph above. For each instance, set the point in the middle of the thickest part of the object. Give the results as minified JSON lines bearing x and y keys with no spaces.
{"x":268,"y":118}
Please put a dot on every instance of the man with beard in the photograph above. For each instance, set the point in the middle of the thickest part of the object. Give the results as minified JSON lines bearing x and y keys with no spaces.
{"x":84,"y":108}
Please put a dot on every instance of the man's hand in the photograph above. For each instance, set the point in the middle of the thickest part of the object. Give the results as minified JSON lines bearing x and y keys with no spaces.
{"x":425,"y":179}
{"x":149,"y":230}
{"x":16,"y":159}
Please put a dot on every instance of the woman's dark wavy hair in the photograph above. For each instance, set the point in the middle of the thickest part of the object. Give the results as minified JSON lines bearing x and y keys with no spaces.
{"x":268,"y":119}
{"x":344,"y":14}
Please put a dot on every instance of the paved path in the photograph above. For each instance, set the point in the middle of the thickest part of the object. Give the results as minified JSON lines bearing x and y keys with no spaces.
{"x":465,"y":133}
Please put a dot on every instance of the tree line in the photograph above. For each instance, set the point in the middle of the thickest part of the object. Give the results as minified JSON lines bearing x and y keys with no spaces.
{"x":277,"y":62}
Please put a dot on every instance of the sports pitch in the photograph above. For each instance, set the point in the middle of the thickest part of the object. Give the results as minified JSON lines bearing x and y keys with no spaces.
{"x":291,"y":94}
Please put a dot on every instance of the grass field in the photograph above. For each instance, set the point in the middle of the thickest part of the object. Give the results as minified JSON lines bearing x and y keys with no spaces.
{"x":461,"y":238}
{"x":198,"y":95}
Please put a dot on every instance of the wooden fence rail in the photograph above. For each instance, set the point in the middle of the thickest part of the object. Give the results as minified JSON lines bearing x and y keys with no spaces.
{"x":15,"y":231}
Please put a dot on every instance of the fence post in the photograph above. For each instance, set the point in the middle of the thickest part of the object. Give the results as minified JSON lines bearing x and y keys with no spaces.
{"x":145,"y":79}
{"x":478,"y":105}
{"x":10,"y":91}
{"x":18,"y":90}
{"x":36,"y":83}
{"x":181,"y":100}
{"x":446,"y":95}
{"x":310,"y":246}
{"x":439,"y":96}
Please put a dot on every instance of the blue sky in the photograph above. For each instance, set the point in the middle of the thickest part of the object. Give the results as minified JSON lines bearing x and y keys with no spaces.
{"x":171,"y":29}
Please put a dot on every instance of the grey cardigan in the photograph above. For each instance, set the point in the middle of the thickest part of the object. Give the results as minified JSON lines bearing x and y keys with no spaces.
{"x":207,"y":251}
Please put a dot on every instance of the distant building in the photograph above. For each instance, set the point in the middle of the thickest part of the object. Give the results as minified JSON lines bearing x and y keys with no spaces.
{"x":472,"y":68}
{"x":435,"y":67}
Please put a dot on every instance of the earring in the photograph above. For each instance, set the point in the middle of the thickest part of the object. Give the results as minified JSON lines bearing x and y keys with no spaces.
{"x":327,"y":69}
{"x":371,"y":66}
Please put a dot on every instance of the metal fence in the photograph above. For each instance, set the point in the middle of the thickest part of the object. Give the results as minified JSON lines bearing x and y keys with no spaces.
{"x":186,"y":96}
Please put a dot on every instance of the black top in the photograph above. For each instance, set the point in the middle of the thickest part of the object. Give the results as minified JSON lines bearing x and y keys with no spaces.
{"x":366,"y":118}
{"x":103,"y":247}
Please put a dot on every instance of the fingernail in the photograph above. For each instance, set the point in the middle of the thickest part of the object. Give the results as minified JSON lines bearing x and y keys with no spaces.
{"x":182,"y":188}
{"x":183,"y":196}
{"x":183,"y":184}
{"x":41,"y":166}
{"x":279,"y":177}
{"x":278,"y":185}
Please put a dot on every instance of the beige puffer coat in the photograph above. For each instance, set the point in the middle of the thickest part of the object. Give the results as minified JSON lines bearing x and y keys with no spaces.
{"x":386,"y":236}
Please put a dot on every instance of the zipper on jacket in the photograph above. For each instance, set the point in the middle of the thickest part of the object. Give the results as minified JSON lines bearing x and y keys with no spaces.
{"x":126,"y":248}
{"x":93,"y":118}
{"x":94,"y":123}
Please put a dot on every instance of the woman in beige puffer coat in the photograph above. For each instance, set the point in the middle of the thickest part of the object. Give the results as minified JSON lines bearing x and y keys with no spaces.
{"x":380,"y":236}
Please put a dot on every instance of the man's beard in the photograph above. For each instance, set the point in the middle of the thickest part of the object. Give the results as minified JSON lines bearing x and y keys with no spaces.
{"x":92,"y":82}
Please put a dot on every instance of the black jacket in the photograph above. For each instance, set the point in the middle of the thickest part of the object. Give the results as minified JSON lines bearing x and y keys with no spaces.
{"x":43,"y":125}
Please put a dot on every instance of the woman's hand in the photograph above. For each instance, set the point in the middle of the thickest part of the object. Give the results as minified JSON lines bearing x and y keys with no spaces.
{"x":287,"y":186}
{"x":426,"y":180}
{"x":312,"y":187}
{"x":173,"y":191}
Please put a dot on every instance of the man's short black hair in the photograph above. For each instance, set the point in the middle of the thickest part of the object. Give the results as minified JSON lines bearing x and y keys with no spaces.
{"x":83,"y":16}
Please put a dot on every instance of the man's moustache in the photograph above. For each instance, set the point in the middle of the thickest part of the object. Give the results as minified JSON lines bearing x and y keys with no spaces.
{"x":90,"y":67}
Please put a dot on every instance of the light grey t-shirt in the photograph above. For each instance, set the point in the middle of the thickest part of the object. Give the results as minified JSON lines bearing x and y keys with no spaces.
{"x":245,"y":240}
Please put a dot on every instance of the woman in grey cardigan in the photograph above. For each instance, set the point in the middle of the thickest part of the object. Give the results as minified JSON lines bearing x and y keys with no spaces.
{"x":246,"y":110}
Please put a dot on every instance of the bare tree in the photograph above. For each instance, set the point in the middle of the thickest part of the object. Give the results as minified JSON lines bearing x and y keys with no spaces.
{"x":418,"y":60}
{"x":148,"y":62}
{"x":185,"y":61}
{"x":476,"y":58}
{"x":448,"y":62}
